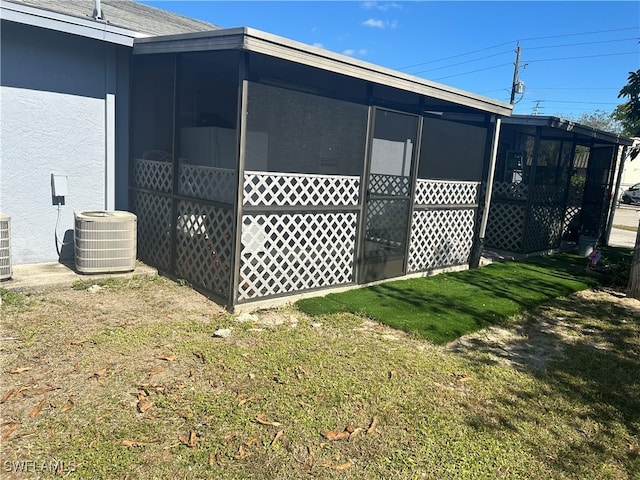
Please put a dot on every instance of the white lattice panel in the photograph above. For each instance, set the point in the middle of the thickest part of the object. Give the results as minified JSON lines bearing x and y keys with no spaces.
{"x":210,"y":183}
{"x":292,"y":252}
{"x":153,"y":175}
{"x":293,"y":189}
{"x":383,"y":184}
{"x":440,"y":238}
{"x":439,"y":192}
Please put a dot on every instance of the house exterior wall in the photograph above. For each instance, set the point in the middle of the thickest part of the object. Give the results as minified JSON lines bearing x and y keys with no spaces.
{"x":60,"y":98}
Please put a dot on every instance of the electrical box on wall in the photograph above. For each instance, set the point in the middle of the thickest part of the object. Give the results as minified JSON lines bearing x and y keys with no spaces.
{"x":59,"y":186}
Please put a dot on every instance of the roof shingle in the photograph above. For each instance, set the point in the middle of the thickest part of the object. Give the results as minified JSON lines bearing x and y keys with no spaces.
{"x":125,"y":14}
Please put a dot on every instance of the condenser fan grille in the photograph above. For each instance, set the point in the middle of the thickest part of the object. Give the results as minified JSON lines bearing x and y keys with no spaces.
{"x":105,"y":241}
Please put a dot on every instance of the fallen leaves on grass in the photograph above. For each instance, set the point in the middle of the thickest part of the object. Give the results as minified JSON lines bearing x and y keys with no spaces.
{"x":461,"y":377}
{"x":330,"y":465}
{"x":20,"y":370}
{"x":37,"y":409}
{"x":44,"y":390}
{"x":168,"y":358}
{"x":260,"y":419}
{"x":349,"y":433}
{"x":335,"y":435}
{"x":12,"y":426}
{"x":189,"y":440}
{"x":278,"y":436}
{"x":374,"y":424}
{"x":143,"y":403}
{"x":156,"y":371}
{"x":68,"y":406}
{"x":6,"y":396}
{"x":133,"y":443}
{"x":242,"y":399}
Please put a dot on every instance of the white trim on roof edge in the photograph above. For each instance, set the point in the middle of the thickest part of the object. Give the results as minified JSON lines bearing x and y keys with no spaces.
{"x":261,"y":42}
{"x":37,"y":17}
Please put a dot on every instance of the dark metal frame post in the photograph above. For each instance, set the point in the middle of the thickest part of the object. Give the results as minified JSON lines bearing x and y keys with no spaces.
{"x":478,"y":247}
{"x":243,"y":88}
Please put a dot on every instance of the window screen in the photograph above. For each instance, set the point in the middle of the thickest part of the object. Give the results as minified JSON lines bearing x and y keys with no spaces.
{"x":298,"y":132}
{"x":452,"y":151}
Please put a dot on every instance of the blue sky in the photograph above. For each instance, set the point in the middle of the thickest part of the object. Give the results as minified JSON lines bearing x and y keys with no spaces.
{"x":575,"y":56}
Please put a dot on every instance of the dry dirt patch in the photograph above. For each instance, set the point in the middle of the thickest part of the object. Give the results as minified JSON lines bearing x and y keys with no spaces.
{"x":543,"y":335}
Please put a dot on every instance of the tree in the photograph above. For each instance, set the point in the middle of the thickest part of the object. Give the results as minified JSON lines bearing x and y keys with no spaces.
{"x":601,"y":120}
{"x":628,"y":114}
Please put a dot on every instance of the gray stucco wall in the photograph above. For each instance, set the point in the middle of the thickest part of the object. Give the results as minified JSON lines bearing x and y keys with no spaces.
{"x":55,"y":119}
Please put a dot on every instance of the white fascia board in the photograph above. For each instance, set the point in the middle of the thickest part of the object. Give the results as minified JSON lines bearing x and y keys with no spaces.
{"x":67,"y":24}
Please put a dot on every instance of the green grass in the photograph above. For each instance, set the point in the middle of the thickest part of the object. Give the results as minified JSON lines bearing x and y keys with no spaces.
{"x":444,"y":307}
{"x":441,"y":412}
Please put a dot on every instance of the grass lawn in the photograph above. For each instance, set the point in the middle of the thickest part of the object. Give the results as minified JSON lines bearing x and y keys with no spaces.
{"x":443,"y":307}
{"x":130,"y":380}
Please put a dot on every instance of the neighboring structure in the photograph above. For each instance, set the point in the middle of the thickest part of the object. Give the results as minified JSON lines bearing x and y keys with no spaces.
{"x":64,"y":108}
{"x":631,"y":169}
{"x":554,"y":180}
{"x":262,"y":167}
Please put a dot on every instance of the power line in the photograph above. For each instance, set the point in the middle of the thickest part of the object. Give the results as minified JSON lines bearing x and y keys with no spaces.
{"x":580,"y":57}
{"x":454,"y":56}
{"x":583,"y":43}
{"x":582,"y":33}
{"x":514,"y":41}
{"x":474,"y":71}
{"x":462,"y":63}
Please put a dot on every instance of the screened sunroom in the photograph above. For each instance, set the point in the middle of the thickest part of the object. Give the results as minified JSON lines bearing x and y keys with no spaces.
{"x":262,"y":167}
{"x":553,"y":182}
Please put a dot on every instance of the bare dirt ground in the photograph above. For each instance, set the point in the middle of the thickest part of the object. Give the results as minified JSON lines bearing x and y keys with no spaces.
{"x":543,"y":334}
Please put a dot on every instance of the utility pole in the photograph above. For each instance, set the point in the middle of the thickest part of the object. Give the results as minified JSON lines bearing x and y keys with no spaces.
{"x":515,"y":82}
{"x":536,"y":109}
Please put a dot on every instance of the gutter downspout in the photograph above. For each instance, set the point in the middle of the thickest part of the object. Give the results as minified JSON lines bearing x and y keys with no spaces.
{"x":614,"y":200}
{"x":475,"y":257}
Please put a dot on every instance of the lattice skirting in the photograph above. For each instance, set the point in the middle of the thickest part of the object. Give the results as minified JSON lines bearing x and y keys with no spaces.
{"x":440,"y":192}
{"x":544,"y":228}
{"x":204,"y":241}
{"x":153,"y":175}
{"x":293,"y":189}
{"x":292,"y":252}
{"x":571,"y":220}
{"x":382,"y":184}
{"x":218,"y":184}
{"x":505,"y":226}
{"x":440,"y":238}
{"x":154,"y":225}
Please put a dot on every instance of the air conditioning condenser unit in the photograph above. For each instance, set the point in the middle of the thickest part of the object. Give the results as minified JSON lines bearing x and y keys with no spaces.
{"x":105,"y":241}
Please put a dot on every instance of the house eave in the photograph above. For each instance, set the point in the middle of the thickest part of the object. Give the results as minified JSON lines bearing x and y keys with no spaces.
{"x":94,"y":29}
{"x":252,"y":40}
{"x":568,"y":126}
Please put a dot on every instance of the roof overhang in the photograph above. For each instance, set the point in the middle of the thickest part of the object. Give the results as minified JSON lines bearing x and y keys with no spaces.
{"x":248,"y":39}
{"x":571,"y":127}
{"x":94,"y":29}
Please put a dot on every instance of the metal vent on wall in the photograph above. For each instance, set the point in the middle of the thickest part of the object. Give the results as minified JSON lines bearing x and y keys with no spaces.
{"x":5,"y":247}
{"x":105,"y":241}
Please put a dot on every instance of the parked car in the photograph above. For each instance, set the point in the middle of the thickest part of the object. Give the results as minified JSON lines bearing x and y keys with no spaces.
{"x":631,"y":195}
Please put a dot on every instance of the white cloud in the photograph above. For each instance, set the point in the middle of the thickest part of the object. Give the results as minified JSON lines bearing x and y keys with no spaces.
{"x":352,"y":52}
{"x":318,"y":44}
{"x":376,"y":23}
{"x":373,"y":22}
{"x":383,"y":7}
